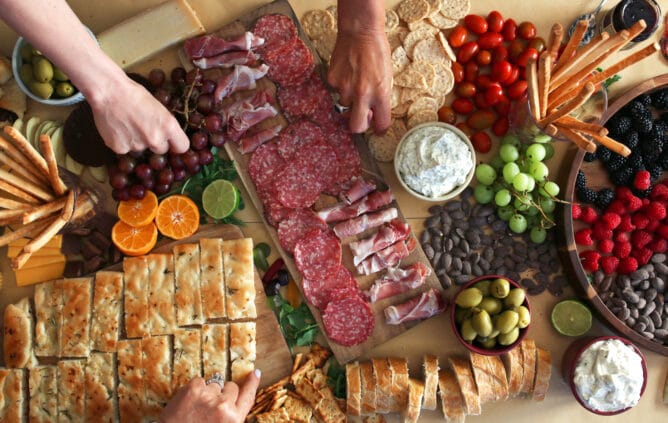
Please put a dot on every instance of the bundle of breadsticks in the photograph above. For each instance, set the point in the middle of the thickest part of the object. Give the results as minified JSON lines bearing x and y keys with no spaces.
{"x":559,"y":84}
{"x":35,"y":203}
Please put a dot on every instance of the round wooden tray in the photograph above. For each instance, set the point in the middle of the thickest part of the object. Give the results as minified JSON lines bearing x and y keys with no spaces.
{"x":597,"y":178}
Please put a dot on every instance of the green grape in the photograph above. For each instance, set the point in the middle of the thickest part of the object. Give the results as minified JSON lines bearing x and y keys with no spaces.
{"x":509,"y":153}
{"x":517,"y":223}
{"x":485,"y":174}
{"x":510,"y":139}
{"x":497,"y":163}
{"x":538,"y":235}
{"x":502,"y":197}
{"x":521,"y":182}
{"x":505,"y":213}
{"x":532,"y":184}
{"x":521,"y":203}
{"x":549,"y":189}
{"x":533,"y":211}
{"x":546,"y":204}
{"x":538,"y":170}
{"x":510,"y":170}
{"x":542,"y":138}
{"x":549,"y":151}
{"x":536,"y":152}
{"x":483,"y":194}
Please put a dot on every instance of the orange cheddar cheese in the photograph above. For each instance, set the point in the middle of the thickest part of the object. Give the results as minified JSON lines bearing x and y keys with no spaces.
{"x":33,"y":275}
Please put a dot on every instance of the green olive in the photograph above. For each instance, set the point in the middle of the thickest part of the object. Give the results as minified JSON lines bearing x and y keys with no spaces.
{"x":43,"y":70}
{"x":483,"y":286}
{"x":65,"y":89}
{"x":467,"y":331}
{"x":59,"y":75}
{"x":25,"y":73}
{"x":507,"y":321}
{"x":26,"y":52}
{"x":499,"y":288}
{"x":461,"y":314}
{"x":491,"y":305}
{"x":524,"y":317}
{"x":469,"y":297}
{"x":488,"y":343}
{"x":515,"y":297}
{"x":41,"y":89}
{"x":510,"y":337}
{"x":482,"y":323}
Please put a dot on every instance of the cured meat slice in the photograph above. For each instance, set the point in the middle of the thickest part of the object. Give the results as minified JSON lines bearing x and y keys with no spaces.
{"x":321,"y":292}
{"x":361,"y":223}
{"x":290,"y":63}
{"x":387,"y":235}
{"x":349,"y":160}
{"x":211,"y":45}
{"x":305,"y":99}
{"x":387,"y":257}
{"x":318,"y":255}
{"x":342,"y":211}
{"x":238,"y":124}
{"x":275,"y":29}
{"x":227,"y":60}
{"x":398,"y":281}
{"x":348,"y":321}
{"x":321,"y":156}
{"x":297,"y":135}
{"x":253,"y":101}
{"x":423,"y":306}
{"x":359,"y":188}
{"x":241,"y":78}
{"x":265,"y":165}
{"x":275,"y":212}
{"x":297,"y":186}
{"x":251,"y":142}
{"x":298,"y":223}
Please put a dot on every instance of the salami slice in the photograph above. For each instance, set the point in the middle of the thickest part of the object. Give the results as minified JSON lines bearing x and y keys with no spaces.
{"x":264,"y":165}
{"x":348,"y":158}
{"x":275,"y":29}
{"x":318,"y":255}
{"x":290,"y":63}
{"x":297,"y":224}
{"x":320,"y":292}
{"x":304,"y":100}
{"x":275,"y":212}
{"x":321,"y":156}
{"x":348,"y":320}
{"x":297,"y":186}
{"x":297,"y":135}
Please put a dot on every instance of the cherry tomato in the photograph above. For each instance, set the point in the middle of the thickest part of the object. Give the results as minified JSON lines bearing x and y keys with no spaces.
{"x":502,"y":107}
{"x":467,"y":51}
{"x":475,"y":23}
{"x":481,"y":119}
{"x":493,"y":93}
{"x":514,"y":76}
{"x":457,"y":71}
{"x":463,"y":106}
{"x":527,"y":55}
{"x":465,"y":90}
{"x":515,"y":48}
{"x":489,"y":40}
{"x":480,"y":101}
{"x":462,"y":126}
{"x":538,"y":43}
{"x":470,"y":71}
{"x":517,"y":90}
{"x":509,"y":30}
{"x":447,"y":115}
{"x":494,"y":21}
{"x":481,"y":142}
{"x":500,"y":126}
{"x":483,"y":81}
{"x":501,"y":70}
{"x":457,"y":36}
{"x":526,"y":30}
{"x":483,"y":58}
{"x":499,"y":53}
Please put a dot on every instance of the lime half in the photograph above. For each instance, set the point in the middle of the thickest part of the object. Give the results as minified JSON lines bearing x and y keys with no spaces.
{"x":220,"y":199}
{"x":571,"y":318}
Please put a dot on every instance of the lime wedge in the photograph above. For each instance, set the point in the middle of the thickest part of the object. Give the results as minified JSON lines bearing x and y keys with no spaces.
{"x":571,"y":318}
{"x":220,"y":199}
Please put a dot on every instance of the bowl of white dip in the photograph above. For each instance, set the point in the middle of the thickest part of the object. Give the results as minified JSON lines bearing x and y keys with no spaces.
{"x":434,"y":161}
{"x":607,"y":374}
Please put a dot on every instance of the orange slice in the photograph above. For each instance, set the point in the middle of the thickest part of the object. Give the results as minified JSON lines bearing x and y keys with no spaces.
{"x":133,"y":240}
{"x":177,"y":217}
{"x":138,"y":212}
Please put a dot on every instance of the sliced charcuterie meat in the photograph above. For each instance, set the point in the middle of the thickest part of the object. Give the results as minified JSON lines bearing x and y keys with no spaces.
{"x":387,"y":235}
{"x":298,"y":223}
{"x":275,"y":29}
{"x":264,"y":166}
{"x":318,"y":255}
{"x":359,"y":187}
{"x":297,"y":186}
{"x":305,"y":99}
{"x":361,"y":223}
{"x":275,"y":212}
{"x":211,"y":45}
{"x":322,"y":158}
{"x":321,"y":292}
{"x":387,"y":257}
{"x":423,"y":306}
{"x":290,"y":63}
{"x":297,"y":135}
{"x":342,"y":211}
{"x":241,"y":78}
{"x":348,"y":321}
{"x":349,"y":160}
{"x":397,"y":281}
{"x":252,"y":141}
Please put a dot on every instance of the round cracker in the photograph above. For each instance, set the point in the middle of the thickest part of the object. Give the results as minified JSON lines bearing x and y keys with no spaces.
{"x":400,"y":111}
{"x":399,"y":128}
{"x":325,"y":45}
{"x":426,"y":69}
{"x":449,"y":53}
{"x":434,"y":6}
{"x":423,"y":25}
{"x":429,"y":50}
{"x":383,"y":147}
{"x":439,"y":20}
{"x":413,"y":38}
{"x":455,"y":9}
{"x":395,"y":97}
{"x":396,"y":37}
{"x":409,"y":95}
{"x":444,"y":81}
{"x":391,"y":20}
{"x":334,"y":11}
{"x":400,"y":60}
{"x":422,"y":104}
{"x":413,"y":10}
{"x":317,"y":22}
{"x":422,"y":117}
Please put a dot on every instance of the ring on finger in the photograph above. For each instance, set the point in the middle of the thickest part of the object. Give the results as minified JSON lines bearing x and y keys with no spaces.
{"x":217,"y":378}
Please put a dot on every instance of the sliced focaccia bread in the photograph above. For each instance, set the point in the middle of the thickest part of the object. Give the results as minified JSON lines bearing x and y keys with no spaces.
{"x":106,"y":318}
{"x":212,"y":277}
{"x":48,"y":308}
{"x":11,"y":395}
{"x":100,"y":382}
{"x":353,"y":389}
{"x":188,"y":296}
{"x":430,"y":368}
{"x":368,"y":387}
{"x":136,"y":297}
{"x":467,"y":386}
{"x":156,"y":369}
{"x":161,"y":311}
{"x":483,"y":379}
{"x":75,"y":323}
{"x":452,"y":401}
{"x":214,"y":350}
{"x":528,"y":349}
{"x":43,"y":404}
{"x":130,"y":380}
{"x":187,"y":357}
{"x":71,"y":389}
{"x":512,"y":361}
{"x":239,"y":278}
{"x":17,"y":340}
{"x":543,"y":373}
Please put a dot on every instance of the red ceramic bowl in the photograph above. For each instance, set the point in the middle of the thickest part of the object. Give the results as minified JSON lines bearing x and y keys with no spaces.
{"x":472,"y":346}
{"x":572,"y":357}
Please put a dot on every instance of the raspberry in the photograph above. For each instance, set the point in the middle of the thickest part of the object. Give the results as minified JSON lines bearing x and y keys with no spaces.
{"x":625,"y":225}
{"x":652,"y":225}
{"x":617,"y":207}
{"x":609,"y":264}
{"x":590,"y":260}
{"x":642,"y":255}
{"x":658,"y":245}
{"x":627,"y":265}
{"x":640,"y":238}
{"x":642,"y":180}
{"x":605,"y":246}
{"x":633,"y":203}
{"x":623,"y":193}
{"x":611,"y":220}
{"x":660,"y":192}
{"x":601,"y":231}
{"x":621,"y":237}
{"x":662,"y":231}
{"x":645,"y":201}
{"x":583,"y":237}
{"x":589,"y":215}
{"x":656,"y":210}
{"x":640,"y":220}
{"x":576,"y":210}
{"x":622,"y":250}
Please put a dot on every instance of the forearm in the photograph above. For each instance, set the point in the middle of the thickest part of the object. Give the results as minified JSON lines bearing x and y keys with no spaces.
{"x":361,"y":16}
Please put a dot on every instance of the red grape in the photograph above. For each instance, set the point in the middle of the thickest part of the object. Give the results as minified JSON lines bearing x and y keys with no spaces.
{"x":199,"y":140}
{"x":178,"y":74}
{"x":143,"y":171}
{"x":194,"y":169}
{"x":161,"y":188}
{"x":166,"y":176}
{"x":121,"y":194}
{"x":126,"y":164}
{"x":213,"y":122}
{"x":208,"y":86}
{"x":217,"y":139}
{"x":162,"y":95}
{"x":148,"y":183}
{"x":179,"y":174}
{"x":193,"y":75}
{"x":205,"y":157}
{"x":205,"y":103}
{"x":176,"y":161}
{"x":118,"y":180}
{"x":157,"y":161}
{"x":176,"y":104}
{"x":156,"y":77}
{"x":190,"y":159}
{"x":137,"y":191}
{"x":195,"y":119}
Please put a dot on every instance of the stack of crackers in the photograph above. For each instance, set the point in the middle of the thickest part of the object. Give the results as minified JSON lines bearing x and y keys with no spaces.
{"x":123,"y":343}
{"x":421,"y":61}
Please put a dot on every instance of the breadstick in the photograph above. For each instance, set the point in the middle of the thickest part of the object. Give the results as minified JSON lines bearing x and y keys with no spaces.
{"x":10,"y":204}
{"x":25,"y":230}
{"x":612,"y":145}
{"x":18,"y":164}
{"x":578,"y":125}
{"x":550,"y":130}
{"x":18,"y":193}
{"x":24,"y":146}
{"x":580,"y":55}
{"x":572,"y":44}
{"x":578,"y":139}
{"x":553,"y":44}
{"x":42,"y":211}
{"x":569,"y":106}
{"x":24,"y":184}
{"x":624,"y":63}
{"x":532,"y":89}
{"x":638,"y":27}
{"x":57,"y":184}
{"x":62,"y":220}
{"x":10,"y":216}
{"x":544,"y":72}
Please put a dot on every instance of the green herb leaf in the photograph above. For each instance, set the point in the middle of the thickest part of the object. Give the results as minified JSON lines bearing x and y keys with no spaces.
{"x":611,"y":80}
{"x":297,"y":323}
{"x":336,"y":378}
{"x":260,"y":254}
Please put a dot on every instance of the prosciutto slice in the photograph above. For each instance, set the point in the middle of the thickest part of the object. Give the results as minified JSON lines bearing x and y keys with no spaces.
{"x":227,"y":59}
{"x":343,"y":211}
{"x":211,"y":45}
{"x":397,"y":281}
{"x":241,"y":78}
{"x":260,"y":98}
{"x":241,"y":122}
{"x":361,"y":223}
{"x":387,"y":257}
{"x":249,"y":143}
{"x":357,"y":190}
{"x":387,"y":235}
{"x":423,"y":306}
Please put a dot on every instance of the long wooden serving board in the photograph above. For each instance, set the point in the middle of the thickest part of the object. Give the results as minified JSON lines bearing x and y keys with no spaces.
{"x":382,"y":331}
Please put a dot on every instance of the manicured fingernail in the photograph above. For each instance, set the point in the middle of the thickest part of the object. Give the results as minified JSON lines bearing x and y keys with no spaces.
{"x":258,"y":373}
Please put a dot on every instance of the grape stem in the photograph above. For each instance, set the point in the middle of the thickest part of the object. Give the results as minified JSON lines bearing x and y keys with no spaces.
{"x":538,"y":207}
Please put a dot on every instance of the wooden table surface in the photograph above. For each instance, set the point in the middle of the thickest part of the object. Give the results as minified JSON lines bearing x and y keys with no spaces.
{"x":435,"y":335}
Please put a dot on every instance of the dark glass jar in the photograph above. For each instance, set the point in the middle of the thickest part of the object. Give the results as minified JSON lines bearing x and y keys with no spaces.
{"x":628,"y":12}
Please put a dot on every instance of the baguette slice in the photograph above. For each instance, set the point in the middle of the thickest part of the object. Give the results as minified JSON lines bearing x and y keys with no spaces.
{"x":498,"y":374}
{"x":452,"y":400}
{"x":353,"y":389}
{"x":483,"y":378}
{"x":528,"y":349}
{"x":431,"y":369}
{"x":400,"y":383}
{"x":17,"y":341}
{"x":415,"y":394}
{"x":512,"y":361}
{"x":543,"y":373}
{"x":383,"y":376}
{"x":464,"y":375}
{"x":368,"y":388}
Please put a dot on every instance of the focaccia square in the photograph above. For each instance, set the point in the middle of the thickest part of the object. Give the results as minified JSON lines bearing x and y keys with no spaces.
{"x":240,"y":369}
{"x":161,"y":311}
{"x":187,"y":357}
{"x":188,"y":295}
{"x":239,"y":278}
{"x":130,"y":380}
{"x":136,"y":297}
{"x":48,"y":308}
{"x":242,"y":341}
{"x":157,"y":370}
{"x":212,"y":281}
{"x":101,"y":405}
{"x":42,"y":386}
{"x":214,"y":350}
{"x":107,"y":300}
{"x":71,"y":400}
{"x":11,"y":388}
{"x":75,"y":319}
{"x":17,"y":340}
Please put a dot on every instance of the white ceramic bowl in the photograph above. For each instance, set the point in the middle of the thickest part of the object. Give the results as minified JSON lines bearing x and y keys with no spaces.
{"x":458,"y":189}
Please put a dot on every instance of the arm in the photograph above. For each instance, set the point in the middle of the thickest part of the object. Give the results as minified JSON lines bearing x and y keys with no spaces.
{"x":360,"y":67}
{"x":127,"y":116}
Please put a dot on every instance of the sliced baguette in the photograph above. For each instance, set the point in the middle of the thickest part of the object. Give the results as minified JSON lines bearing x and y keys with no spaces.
{"x":368,"y":388}
{"x":512,"y":361}
{"x":353,"y":389}
{"x":452,"y":401}
{"x":415,"y":393}
{"x":528,"y":348}
{"x":383,"y":377}
{"x":498,"y":374}
{"x":399,"y":388}
{"x":430,"y":368}
{"x":543,"y":373}
{"x":483,"y":379}
{"x":464,"y":375}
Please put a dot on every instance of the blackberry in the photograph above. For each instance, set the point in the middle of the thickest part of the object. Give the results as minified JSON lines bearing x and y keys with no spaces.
{"x":660,"y":99}
{"x":644,"y":99}
{"x":642,"y":193}
{"x":655,"y":171}
{"x":637,"y":109}
{"x":587,"y":195}
{"x":616,"y":162}
{"x":580,"y":180}
{"x":604,"y":197}
{"x":631,"y":140}
{"x":635,"y":162}
{"x":663,"y":160}
{"x":618,"y":125}
{"x":603,"y":153}
{"x":643,"y":124}
{"x":589,"y":157}
{"x":622,"y":177}
{"x":664,"y":117}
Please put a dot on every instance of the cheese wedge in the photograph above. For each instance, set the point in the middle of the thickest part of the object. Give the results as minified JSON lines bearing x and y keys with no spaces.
{"x":151,"y":32}
{"x":55,"y":242}
{"x":39,"y":261}
{"x":38,"y":274}
{"x":13,"y":251}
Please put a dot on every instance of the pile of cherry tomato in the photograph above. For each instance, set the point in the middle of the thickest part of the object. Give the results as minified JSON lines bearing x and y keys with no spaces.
{"x":492,"y":54}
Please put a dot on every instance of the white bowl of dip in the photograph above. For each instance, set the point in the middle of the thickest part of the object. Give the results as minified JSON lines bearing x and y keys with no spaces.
{"x":434,"y":161}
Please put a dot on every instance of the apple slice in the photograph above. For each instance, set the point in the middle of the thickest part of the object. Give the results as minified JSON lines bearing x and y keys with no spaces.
{"x":58,"y":146}
{"x":31,"y":127}
{"x":98,"y":172}
{"x":73,"y":166}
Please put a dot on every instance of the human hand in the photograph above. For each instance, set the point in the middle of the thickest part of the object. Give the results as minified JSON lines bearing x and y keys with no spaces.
{"x":199,"y":402}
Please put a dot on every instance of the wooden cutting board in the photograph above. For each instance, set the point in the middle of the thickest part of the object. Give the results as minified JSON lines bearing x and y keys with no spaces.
{"x":382,"y":331}
{"x":273,"y":355}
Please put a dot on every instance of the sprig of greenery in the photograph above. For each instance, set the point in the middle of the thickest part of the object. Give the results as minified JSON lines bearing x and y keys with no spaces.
{"x":297,"y":323}
{"x":614,"y":78}
{"x":336,"y":378}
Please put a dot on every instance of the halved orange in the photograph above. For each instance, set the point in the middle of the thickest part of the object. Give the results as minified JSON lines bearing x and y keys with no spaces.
{"x":134,"y":240}
{"x":177,"y":217}
{"x":138,"y":212}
